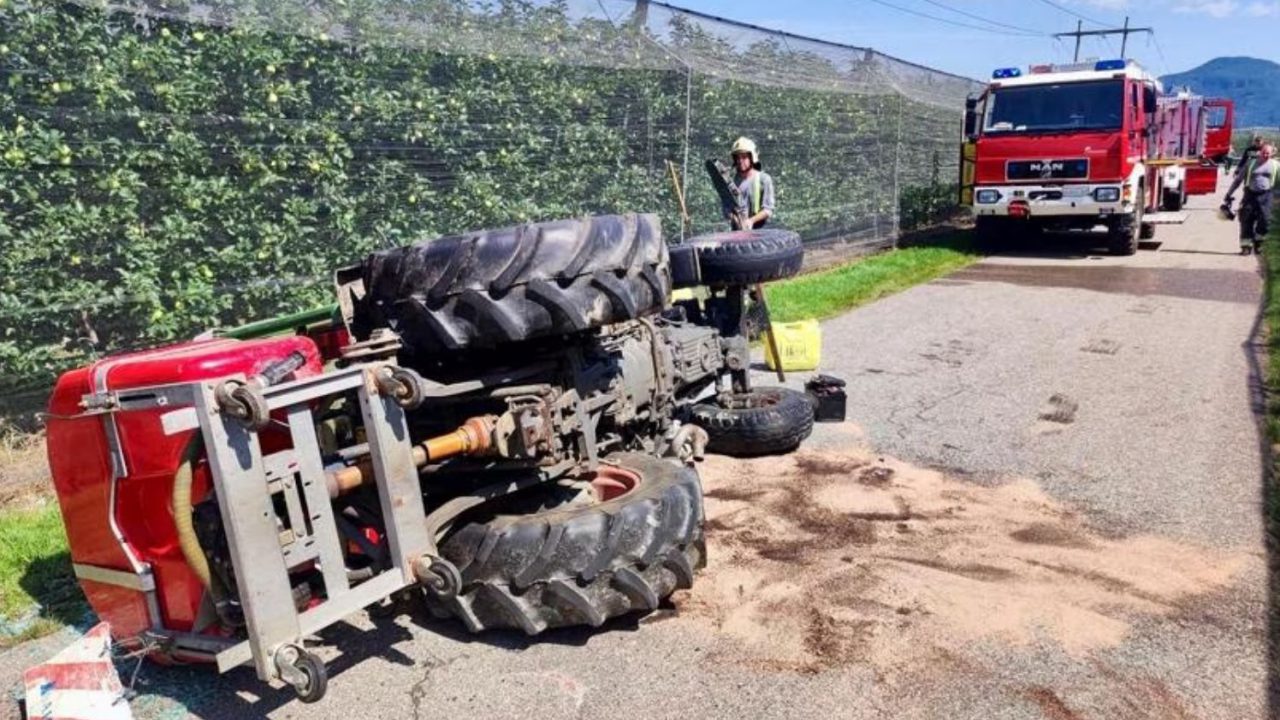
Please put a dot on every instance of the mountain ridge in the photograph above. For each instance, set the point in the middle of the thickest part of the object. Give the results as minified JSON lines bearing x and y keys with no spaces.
{"x":1253,"y":83}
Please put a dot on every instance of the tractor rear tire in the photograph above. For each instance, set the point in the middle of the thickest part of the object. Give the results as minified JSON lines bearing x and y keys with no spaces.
{"x":581,"y":564}
{"x":765,"y":421}
{"x":747,"y":257}
{"x":492,"y":287}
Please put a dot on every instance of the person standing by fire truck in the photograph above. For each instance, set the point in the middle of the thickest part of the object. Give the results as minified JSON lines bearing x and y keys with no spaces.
{"x":1259,"y":180}
{"x":1251,"y":152}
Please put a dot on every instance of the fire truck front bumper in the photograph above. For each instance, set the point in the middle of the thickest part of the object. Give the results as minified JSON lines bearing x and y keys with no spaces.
{"x":1084,"y":200}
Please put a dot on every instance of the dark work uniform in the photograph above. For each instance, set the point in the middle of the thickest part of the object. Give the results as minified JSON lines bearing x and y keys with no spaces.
{"x":1255,"y":208}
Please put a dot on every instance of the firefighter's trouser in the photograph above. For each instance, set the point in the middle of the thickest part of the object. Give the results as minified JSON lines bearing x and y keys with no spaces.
{"x":1255,"y":214}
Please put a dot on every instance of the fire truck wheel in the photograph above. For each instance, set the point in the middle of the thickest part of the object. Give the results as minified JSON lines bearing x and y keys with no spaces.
{"x":990,"y":234}
{"x":765,"y":421}
{"x":623,"y":545}
{"x":1123,"y":233}
{"x":1174,"y":199}
{"x":491,"y":287}
{"x":747,"y":257}
{"x":1146,"y":231}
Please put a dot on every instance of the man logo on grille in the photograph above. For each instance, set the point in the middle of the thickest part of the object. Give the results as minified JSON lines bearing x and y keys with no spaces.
{"x":1046,"y":169}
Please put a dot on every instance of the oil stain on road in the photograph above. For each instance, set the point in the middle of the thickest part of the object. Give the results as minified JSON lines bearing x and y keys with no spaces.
{"x":1221,"y":285}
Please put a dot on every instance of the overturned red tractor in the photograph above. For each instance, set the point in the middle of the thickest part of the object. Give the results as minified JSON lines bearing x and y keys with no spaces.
{"x":505,"y":421}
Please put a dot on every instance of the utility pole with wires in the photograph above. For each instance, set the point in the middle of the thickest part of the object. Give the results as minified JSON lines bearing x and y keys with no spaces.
{"x":1125,"y":32}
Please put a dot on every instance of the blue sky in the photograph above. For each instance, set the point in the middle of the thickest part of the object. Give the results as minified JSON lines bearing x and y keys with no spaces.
{"x":1189,"y":32}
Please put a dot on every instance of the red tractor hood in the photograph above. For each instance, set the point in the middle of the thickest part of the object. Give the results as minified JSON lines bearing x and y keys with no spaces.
{"x":1018,"y":158}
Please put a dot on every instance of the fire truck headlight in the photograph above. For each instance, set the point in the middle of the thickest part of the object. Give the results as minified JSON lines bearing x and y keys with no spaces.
{"x":986,"y":197}
{"x":1106,"y":194}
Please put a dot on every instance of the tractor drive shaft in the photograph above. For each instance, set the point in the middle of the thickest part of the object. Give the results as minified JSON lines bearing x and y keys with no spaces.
{"x":474,"y":437}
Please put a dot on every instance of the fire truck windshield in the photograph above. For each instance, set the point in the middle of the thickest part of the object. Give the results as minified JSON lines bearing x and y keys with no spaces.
{"x":1055,"y":108}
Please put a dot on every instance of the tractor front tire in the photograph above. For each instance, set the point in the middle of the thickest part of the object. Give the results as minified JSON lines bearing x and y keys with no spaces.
{"x":747,"y":257}
{"x":581,"y":563}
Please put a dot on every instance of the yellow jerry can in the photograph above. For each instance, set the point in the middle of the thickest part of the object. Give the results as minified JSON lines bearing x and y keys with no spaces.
{"x":799,"y":344}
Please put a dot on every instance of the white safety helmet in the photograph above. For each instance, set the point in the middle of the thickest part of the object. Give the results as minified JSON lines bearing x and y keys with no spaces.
{"x":744,"y":146}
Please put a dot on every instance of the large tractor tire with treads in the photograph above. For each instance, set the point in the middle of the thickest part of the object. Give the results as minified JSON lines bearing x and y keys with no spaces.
{"x":493,"y":287}
{"x":747,"y":257}
{"x":582,"y":563}
{"x":765,"y":421}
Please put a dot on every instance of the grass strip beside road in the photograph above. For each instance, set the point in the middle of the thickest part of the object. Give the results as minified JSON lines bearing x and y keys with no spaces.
{"x":830,"y":292}
{"x":1271,"y":326}
{"x":1271,"y":418}
{"x":38,"y":593}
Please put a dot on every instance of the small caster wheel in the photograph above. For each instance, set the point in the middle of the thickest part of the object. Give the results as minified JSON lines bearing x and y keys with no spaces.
{"x":304,"y":671}
{"x":244,"y":403}
{"x":402,"y":384}
{"x":315,"y":680}
{"x":439,"y":577}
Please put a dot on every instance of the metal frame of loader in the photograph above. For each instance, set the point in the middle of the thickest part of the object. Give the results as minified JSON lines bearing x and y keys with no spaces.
{"x":245,"y":481}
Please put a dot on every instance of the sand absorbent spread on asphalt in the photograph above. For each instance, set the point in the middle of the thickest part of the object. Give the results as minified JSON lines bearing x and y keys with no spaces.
{"x":819,"y":559}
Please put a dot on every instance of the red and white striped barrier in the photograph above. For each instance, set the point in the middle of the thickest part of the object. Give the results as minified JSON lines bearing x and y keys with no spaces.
{"x":79,"y":683}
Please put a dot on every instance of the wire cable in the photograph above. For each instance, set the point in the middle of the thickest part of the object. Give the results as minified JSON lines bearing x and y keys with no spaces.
{"x":1164,"y":62}
{"x":967,"y":14}
{"x":948,"y":21}
{"x":1071,"y":12}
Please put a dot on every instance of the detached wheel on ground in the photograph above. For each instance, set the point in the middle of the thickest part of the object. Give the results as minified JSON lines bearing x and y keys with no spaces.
{"x":622,"y":542}
{"x":765,"y":421}
{"x":747,"y":257}
{"x":492,"y":287}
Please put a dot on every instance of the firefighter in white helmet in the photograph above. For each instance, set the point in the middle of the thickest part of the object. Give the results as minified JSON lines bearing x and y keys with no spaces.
{"x":755,"y":187}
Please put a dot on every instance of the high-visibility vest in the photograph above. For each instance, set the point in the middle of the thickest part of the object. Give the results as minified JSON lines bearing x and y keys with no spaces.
{"x":759,"y":188}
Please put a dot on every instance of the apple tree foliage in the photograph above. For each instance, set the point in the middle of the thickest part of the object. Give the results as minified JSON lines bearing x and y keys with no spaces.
{"x":160,"y":177}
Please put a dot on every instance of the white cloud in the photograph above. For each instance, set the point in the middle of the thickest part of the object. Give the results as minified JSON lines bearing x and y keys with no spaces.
{"x":1212,"y":8}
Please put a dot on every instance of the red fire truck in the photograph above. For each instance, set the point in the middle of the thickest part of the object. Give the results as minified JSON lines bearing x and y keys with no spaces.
{"x":1085,"y":145}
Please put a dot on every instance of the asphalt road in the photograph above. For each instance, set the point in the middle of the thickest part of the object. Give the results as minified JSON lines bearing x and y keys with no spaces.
{"x":1070,"y":444}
